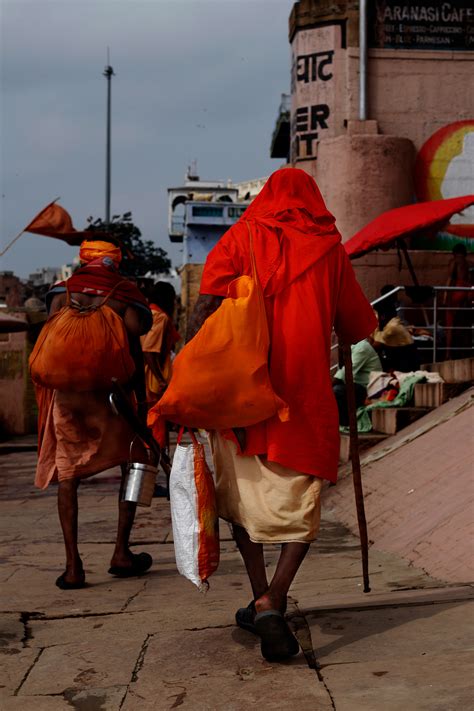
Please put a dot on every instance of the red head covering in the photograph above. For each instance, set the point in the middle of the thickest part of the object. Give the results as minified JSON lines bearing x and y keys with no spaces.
{"x":291,"y":228}
{"x":285,"y":191}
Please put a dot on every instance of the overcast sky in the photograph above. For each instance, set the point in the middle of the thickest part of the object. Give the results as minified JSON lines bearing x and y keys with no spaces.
{"x":195,"y":79}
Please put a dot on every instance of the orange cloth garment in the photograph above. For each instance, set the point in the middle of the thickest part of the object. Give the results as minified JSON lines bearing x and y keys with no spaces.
{"x":309,"y":287}
{"x":81,"y":437}
{"x":91,"y":250}
{"x":82,"y":349}
{"x":221,"y":377}
{"x":159,"y":341}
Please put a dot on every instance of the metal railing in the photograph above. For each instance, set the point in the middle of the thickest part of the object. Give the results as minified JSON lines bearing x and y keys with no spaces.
{"x":431,"y":315}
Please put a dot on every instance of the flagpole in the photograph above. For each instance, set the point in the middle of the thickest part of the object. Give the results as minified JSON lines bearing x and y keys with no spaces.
{"x":10,"y":244}
{"x":108,"y":74}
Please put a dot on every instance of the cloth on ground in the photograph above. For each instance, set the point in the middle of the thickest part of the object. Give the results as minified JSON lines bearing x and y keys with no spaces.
{"x":407,"y":382}
{"x":273,"y":503}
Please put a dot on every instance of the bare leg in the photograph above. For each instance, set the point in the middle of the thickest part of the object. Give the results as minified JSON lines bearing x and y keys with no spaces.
{"x":252,"y":553}
{"x":291,"y":557}
{"x":123,"y":556}
{"x":68,"y":513}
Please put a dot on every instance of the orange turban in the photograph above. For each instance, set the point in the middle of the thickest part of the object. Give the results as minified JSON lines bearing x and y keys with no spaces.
{"x":95,"y":249}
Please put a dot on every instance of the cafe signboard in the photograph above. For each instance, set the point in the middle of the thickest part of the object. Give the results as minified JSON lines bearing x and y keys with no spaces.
{"x":428,"y":25}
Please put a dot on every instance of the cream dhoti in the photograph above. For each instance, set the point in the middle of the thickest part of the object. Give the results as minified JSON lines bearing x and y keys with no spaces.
{"x":273,"y":503}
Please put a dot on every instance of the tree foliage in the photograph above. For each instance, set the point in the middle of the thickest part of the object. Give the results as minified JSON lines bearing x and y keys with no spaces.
{"x":139,"y":255}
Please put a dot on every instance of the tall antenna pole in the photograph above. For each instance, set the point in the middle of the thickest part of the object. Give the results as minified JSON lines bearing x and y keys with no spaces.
{"x":108,"y":74}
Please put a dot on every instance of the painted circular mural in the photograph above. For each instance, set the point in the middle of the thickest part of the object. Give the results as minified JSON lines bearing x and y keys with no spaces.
{"x":445,"y":168}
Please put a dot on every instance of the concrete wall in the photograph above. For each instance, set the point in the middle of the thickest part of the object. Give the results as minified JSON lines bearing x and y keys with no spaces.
{"x":12,"y":291}
{"x":361,"y":176}
{"x":190,"y":281}
{"x":412,"y":93}
{"x":377,"y":269}
{"x":13,"y":383}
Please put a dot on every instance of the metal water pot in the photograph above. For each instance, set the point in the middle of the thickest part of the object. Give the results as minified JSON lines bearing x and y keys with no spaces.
{"x":139,"y":483}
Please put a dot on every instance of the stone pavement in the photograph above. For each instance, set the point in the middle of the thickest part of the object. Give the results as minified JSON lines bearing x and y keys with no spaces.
{"x":155,"y":643}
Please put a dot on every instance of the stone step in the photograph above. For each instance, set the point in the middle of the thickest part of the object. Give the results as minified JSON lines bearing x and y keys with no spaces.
{"x":366,"y":440}
{"x":435,"y":394}
{"x":389,"y":420}
{"x":453,"y":371}
{"x":431,"y":394}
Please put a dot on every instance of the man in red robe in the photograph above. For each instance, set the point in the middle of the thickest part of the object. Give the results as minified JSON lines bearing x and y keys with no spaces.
{"x":269,"y":476}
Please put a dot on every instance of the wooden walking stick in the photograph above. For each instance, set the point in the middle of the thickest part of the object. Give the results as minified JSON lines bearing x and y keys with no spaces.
{"x":356,"y":474}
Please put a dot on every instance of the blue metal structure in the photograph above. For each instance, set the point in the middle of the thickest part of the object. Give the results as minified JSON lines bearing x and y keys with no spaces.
{"x":204,"y":225}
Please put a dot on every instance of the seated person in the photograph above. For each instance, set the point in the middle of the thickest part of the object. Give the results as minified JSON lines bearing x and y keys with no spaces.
{"x":364,"y":360}
{"x":397,"y":348}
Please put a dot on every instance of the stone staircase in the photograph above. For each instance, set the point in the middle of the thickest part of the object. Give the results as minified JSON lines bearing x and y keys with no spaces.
{"x":458,"y":375}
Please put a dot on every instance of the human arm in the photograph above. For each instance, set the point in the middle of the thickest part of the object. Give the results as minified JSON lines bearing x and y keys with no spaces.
{"x":153,"y":364}
{"x":57,"y":303}
{"x":134,"y":326}
{"x":205,"y":306}
{"x":219,"y":272}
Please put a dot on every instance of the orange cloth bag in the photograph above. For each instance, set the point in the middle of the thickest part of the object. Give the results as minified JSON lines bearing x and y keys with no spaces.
{"x":220,"y":378}
{"x":82,"y":348}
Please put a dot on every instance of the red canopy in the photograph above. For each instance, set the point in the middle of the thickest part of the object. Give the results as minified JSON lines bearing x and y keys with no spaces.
{"x":404,"y":222}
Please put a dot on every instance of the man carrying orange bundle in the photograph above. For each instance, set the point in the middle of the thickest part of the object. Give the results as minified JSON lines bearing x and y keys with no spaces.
{"x":270,"y":475}
{"x":92,"y":335}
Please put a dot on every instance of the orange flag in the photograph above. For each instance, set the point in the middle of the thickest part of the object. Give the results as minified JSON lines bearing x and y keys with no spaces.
{"x":54,"y":221}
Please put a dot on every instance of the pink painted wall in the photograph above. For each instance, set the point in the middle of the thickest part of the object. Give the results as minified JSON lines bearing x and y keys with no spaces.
{"x":377,"y":269}
{"x":361,"y":176}
{"x":411,"y":94}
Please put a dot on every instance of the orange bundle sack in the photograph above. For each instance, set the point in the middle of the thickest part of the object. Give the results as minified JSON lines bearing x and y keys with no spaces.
{"x":220,"y":378}
{"x":82,"y":348}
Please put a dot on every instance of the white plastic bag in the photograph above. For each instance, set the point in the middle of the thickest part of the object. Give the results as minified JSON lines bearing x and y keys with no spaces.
{"x":193,"y":514}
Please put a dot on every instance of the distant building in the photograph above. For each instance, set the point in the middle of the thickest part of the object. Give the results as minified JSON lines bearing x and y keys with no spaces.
{"x":67,"y":270}
{"x":12,"y":291}
{"x":45,"y":276}
{"x":413,"y":136}
{"x":281,"y":140}
{"x":249,"y":189}
{"x":199,"y":213}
